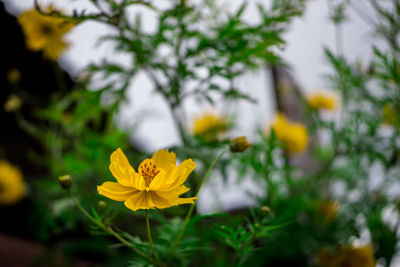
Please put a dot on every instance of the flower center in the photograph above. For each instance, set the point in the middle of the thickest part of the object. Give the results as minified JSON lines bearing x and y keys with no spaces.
{"x":46,"y":29}
{"x":148,"y":170}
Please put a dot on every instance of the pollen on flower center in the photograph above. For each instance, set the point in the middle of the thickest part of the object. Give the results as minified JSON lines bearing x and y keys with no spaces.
{"x":148,"y":170}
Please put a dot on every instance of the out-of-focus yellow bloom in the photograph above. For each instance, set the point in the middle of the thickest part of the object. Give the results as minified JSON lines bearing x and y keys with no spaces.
{"x":322,"y":101}
{"x":44,"y":33}
{"x":13,"y":75}
{"x":266,"y":210}
{"x":102,"y":205}
{"x":293,"y":136}
{"x":328,"y":210}
{"x":239,"y":144}
{"x":158,"y":183}
{"x":65,"y":181}
{"x":391,"y":115}
{"x":13,"y":103}
{"x":12,"y":185}
{"x":210,"y":126}
{"x":348,"y":256}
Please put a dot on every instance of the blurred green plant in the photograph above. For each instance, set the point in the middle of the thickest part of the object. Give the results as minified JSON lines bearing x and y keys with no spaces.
{"x":191,"y":50}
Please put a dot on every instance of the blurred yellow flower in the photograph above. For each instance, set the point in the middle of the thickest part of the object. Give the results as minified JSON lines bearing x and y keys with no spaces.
{"x":210,"y":126}
{"x":391,"y":115}
{"x":348,"y":256}
{"x":239,"y":144}
{"x":293,"y":136}
{"x":322,"y":101}
{"x":158,"y":183}
{"x":44,"y":33}
{"x":13,"y":103}
{"x":328,"y":210}
{"x":12,"y":185}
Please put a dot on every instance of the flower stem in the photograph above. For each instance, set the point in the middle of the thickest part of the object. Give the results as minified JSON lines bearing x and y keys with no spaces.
{"x":110,"y":231}
{"x":189,"y":214}
{"x":149,"y":236}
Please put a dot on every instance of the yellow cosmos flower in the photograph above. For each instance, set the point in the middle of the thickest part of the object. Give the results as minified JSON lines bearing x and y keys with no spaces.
{"x":210,"y":126}
{"x":44,"y":33}
{"x":293,"y":136}
{"x":322,"y":101}
{"x":157,"y":184}
{"x":12,"y":186}
{"x":348,"y":256}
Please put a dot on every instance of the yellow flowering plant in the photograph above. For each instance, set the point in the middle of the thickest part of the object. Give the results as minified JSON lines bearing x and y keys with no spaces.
{"x":44,"y":33}
{"x":293,"y":136}
{"x":320,"y":101}
{"x":12,"y":184}
{"x":210,"y":126}
{"x":158,"y":184}
{"x":260,"y":206}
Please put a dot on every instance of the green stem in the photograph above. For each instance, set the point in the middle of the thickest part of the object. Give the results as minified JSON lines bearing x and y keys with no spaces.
{"x":110,"y":231}
{"x":189,"y":214}
{"x":149,"y":236}
{"x":179,"y":125}
{"x":287,"y":172}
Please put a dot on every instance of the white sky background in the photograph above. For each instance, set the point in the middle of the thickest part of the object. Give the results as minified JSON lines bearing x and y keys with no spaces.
{"x":304,"y":52}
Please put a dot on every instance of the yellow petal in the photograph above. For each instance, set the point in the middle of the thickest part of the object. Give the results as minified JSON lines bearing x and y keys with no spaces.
{"x":176,"y":176}
{"x":189,"y":200}
{"x":182,"y":172}
{"x":158,"y":181}
{"x":174,"y":192}
{"x":164,"y":159}
{"x":54,"y":47}
{"x":164,"y":200}
{"x":44,"y":33}
{"x":173,"y":196}
{"x":12,"y":184}
{"x":124,"y":172}
{"x":139,"y":200}
{"x":115,"y":191}
{"x":161,"y":202}
{"x":182,"y":189}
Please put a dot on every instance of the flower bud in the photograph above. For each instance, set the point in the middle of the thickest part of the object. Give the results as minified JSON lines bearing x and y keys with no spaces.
{"x":239,"y":144}
{"x":65,"y":181}
{"x":13,"y":103}
{"x":266,"y":210}
{"x":101,"y":205}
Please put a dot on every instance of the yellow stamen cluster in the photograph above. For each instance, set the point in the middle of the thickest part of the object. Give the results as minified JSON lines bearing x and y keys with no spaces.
{"x":148,"y":170}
